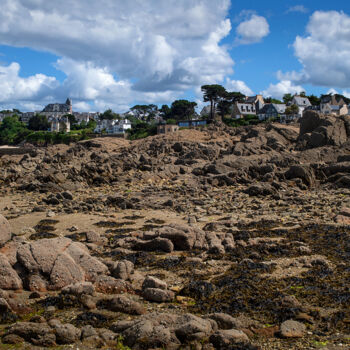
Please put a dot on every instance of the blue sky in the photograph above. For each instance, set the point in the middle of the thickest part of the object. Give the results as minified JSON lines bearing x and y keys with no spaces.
{"x":155,"y":51}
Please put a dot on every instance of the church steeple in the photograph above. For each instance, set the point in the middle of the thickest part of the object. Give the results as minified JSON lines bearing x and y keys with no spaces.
{"x":69,"y":103}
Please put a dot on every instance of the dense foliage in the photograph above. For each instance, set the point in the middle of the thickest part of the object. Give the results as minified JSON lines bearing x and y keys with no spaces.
{"x":141,"y":129}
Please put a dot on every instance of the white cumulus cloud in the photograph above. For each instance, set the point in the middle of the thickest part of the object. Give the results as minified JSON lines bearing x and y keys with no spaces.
{"x":325,"y":51}
{"x":15,"y":88}
{"x":146,"y":48}
{"x":238,"y":86}
{"x":252,"y":30}
{"x":281,"y":88}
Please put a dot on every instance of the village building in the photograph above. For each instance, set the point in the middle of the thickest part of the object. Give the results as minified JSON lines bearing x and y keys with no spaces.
{"x":59,"y":124}
{"x":240,"y":110}
{"x":272,"y":111}
{"x":163,"y":129}
{"x":113,"y":126}
{"x":58,"y":109}
{"x":191,"y":123}
{"x":334,"y":105}
{"x":257,"y":100}
{"x":302,"y":103}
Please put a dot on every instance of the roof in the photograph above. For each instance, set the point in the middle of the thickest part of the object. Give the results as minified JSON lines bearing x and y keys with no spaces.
{"x":301,"y":101}
{"x":280,"y":108}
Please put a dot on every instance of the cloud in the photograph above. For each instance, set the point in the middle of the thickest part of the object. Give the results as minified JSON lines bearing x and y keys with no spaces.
{"x":298,"y":8}
{"x":238,"y":86}
{"x":252,"y":30}
{"x":92,"y":88}
{"x":15,"y":88}
{"x":155,"y":46}
{"x":325,"y":51}
{"x":281,"y":88}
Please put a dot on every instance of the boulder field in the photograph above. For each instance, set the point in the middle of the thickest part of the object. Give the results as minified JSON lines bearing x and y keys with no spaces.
{"x":219,"y":238}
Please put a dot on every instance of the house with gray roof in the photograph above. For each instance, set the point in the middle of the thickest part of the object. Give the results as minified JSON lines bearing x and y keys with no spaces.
{"x":240,"y":110}
{"x":302,"y":103}
{"x":58,"y":109}
{"x":272,"y":110}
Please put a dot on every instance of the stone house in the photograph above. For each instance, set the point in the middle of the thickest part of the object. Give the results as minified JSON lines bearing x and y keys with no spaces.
{"x":240,"y":110}
{"x":334,"y":105}
{"x":272,"y":110}
{"x":58,"y":109}
{"x":166,"y":129}
{"x":59,"y":124}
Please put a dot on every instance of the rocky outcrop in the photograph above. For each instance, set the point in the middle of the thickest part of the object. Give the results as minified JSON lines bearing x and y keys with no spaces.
{"x":317,"y":130}
{"x":5,"y":231}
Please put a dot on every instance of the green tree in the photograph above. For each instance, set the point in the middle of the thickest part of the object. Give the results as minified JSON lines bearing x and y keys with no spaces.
{"x":287,"y":98}
{"x":165,"y":112}
{"x":145,"y":112}
{"x":273,"y":100}
{"x":109,"y":115}
{"x":12,"y":130}
{"x":182,"y":109}
{"x":314,"y":100}
{"x":38,"y":123}
{"x":292,"y":110}
{"x":213,"y":94}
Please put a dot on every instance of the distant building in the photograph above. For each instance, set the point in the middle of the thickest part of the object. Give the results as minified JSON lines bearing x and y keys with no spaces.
{"x":58,"y":109}
{"x":113,"y":126}
{"x":191,"y":123}
{"x":302,"y":103}
{"x":26,"y":116}
{"x":59,"y":124}
{"x":166,"y":129}
{"x":334,"y":105}
{"x":272,"y":110}
{"x":257,"y":100}
{"x":240,"y":110}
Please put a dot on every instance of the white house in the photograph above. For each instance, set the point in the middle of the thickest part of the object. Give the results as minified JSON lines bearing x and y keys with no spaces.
{"x":302,"y":103}
{"x":59,"y":124}
{"x":113,"y":126}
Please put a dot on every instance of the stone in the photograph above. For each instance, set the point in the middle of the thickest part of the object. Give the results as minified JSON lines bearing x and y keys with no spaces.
{"x":66,"y":333}
{"x":91,"y":266}
{"x":140,"y":330}
{"x":183,"y":237}
{"x":78,"y":289}
{"x":225,"y":321}
{"x":292,"y":329}
{"x":156,"y":244}
{"x":9,"y":278}
{"x":158,"y":295}
{"x":193,"y":328}
{"x":5,"y":230}
{"x":4,"y":306}
{"x":123,"y":269}
{"x":30,"y":330}
{"x":12,"y":339}
{"x":153,"y":282}
{"x":124,"y":304}
{"x":224,"y":339}
{"x":88,"y":331}
{"x":108,"y":284}
{"x":65,"y":272}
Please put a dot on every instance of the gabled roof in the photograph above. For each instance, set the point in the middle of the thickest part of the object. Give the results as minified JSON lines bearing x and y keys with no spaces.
{"x":280,"y":108}
{"x":301,"y":101}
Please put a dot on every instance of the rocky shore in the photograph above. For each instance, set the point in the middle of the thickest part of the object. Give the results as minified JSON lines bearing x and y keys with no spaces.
{"x":218,"y":238}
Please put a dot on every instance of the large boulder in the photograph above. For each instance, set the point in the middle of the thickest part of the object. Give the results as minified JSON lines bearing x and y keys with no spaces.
{"x":9,"y":278}
{"x":64,"y":262}
{"x":317,"y":130}
{"x":5,"y":231}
